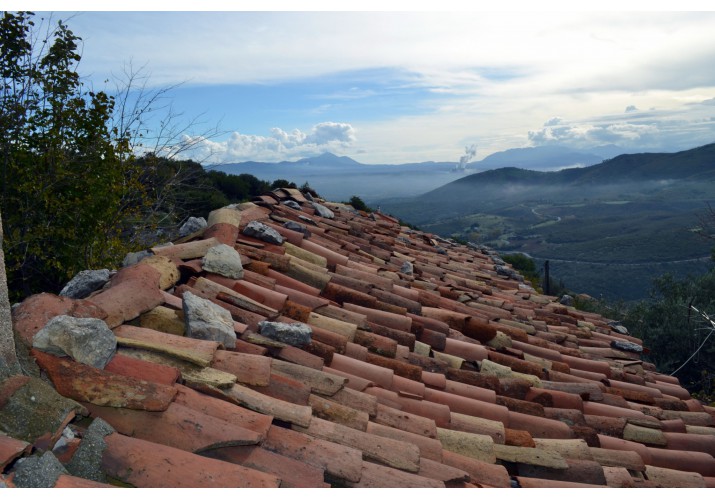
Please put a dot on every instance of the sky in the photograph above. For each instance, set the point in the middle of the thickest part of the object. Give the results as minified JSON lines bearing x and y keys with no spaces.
{"x":425,"y":85}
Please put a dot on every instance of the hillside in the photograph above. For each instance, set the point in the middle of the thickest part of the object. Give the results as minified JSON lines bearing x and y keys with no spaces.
{"x":636,"y":210}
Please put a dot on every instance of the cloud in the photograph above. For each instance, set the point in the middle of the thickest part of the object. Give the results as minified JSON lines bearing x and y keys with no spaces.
{"x":553,"y":121}
{"x":655,"y":130}
{"x":588,"y":135}
{"x":279,"y":145}
{"x":631,"y":109}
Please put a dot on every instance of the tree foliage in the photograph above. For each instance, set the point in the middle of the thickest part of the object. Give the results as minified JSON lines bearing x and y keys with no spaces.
{"x":357,"y":203}
{"x":69,"y":184}
{"x":84,"y":178}
{"x":673,"y":331}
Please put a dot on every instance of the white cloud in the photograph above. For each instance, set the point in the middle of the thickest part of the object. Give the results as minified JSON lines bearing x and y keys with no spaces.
{"x":494,"y":76}
{"x":279,"y":145}
{"x":654,"y":130}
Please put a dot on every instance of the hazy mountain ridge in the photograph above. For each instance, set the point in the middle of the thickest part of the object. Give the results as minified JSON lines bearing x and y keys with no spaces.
{"x":340,"y":177}
{"x":632,"y":214}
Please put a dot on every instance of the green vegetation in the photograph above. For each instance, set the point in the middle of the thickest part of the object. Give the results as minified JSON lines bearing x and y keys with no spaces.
{"x":525,"y":266}
{"x":73,"y":195}
{"x":673,"y":331}
{"x":70,"y":187}
{"x":357,"y":203}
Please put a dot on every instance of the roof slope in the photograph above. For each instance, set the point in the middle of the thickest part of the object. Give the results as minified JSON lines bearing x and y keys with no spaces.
{"x":425,"y":364}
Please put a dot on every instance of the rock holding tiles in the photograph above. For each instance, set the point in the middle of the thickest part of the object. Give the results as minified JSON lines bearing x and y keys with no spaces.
{"x":85,"y":282}
{"x":323,"y":211}
{"x":38,"y":471}
{"x":224,"y":260}
{"x":86,"y":340}
{"x":192,"y":225}
{"x":295,"y":334}
{"x":262,"y":232}
{"x":207,"y":321}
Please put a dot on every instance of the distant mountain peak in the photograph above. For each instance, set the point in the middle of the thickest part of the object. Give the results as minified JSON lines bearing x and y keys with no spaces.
{"x":328,"y":159}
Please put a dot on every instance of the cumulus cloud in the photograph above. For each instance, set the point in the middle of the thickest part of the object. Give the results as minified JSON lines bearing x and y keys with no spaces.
{"x":584,"y":135}
{"x":553,"y":121}
{"x":279,"y":145}
{"x":631,"y":109}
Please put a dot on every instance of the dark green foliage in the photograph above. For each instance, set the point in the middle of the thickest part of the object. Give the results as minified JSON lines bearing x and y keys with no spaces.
{"x":521,"y":263}
{"x":305,"y":188}
{"x":282,"y":183}
{"x":69,"y":186}
{"x":72,"y":194}
{"x":525,"y":266}
{"x":357,"y":203}
{"x":673,"y":331}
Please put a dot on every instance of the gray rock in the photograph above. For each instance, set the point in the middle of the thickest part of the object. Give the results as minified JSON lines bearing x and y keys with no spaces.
{"x":566,"y":300}
{"x":207,"y":321}
{"x":441,"y":251}
{"x":292,"y":204}
{"x":308,"y":196}
{"x":38,"y":471}
{"x":86,"y":340}
{"x":66,"y":437}
{"x":135,"y":257}
{"x":508,"y":272}
{"x":323,"y":211}
{"x":262,"y":232}
{"x":307,"y":220}
{"x":621,"y":329}
{"x":192,"y":225}
{"x":224,"y":260}
{"x":294,"y":226}
{"x":87,"y":460}
{"x":84,"y":283}
{"x":407,"y":268}
{"x":498,"y":260}
{"x":624,"y":345}
{"x":295,"y":334}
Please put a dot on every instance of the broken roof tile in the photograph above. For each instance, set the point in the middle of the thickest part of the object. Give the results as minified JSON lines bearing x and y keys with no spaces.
{"x":91,"y":385}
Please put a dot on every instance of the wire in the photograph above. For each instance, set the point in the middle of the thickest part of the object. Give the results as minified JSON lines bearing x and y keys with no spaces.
{"x":702,"y":344}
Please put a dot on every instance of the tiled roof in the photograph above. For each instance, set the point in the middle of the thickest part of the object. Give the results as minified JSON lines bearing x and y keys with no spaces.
{"x":426,"y":366}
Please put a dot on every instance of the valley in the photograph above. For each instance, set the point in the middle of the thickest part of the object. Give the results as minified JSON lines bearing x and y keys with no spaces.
{"x":606,"y":231}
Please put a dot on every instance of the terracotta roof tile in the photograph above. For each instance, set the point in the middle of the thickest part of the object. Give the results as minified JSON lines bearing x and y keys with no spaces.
{"x":403,"y":369}
{"x":10,"y":449}
{"x":149,"y":465}
{"x":87,"y":384}
{"x":178,"y":426}
{"x":292,"y":473}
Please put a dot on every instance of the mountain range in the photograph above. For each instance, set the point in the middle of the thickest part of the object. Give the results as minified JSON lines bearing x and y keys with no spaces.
{"x":612,"y":227}
{"x":340,"y":177}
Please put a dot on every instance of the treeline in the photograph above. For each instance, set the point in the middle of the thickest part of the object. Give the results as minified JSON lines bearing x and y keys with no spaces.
{"x":190,"y":190}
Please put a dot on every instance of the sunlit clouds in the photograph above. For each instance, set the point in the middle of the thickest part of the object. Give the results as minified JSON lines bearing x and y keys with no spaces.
{"x":394,"y":87}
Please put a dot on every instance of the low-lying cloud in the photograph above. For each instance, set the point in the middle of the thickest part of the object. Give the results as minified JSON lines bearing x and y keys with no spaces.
{"x":664,"y":130}
{"x":278,"y":146}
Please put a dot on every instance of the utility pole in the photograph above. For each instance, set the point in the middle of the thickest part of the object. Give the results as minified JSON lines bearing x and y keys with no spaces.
{"x":547,"y":280}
